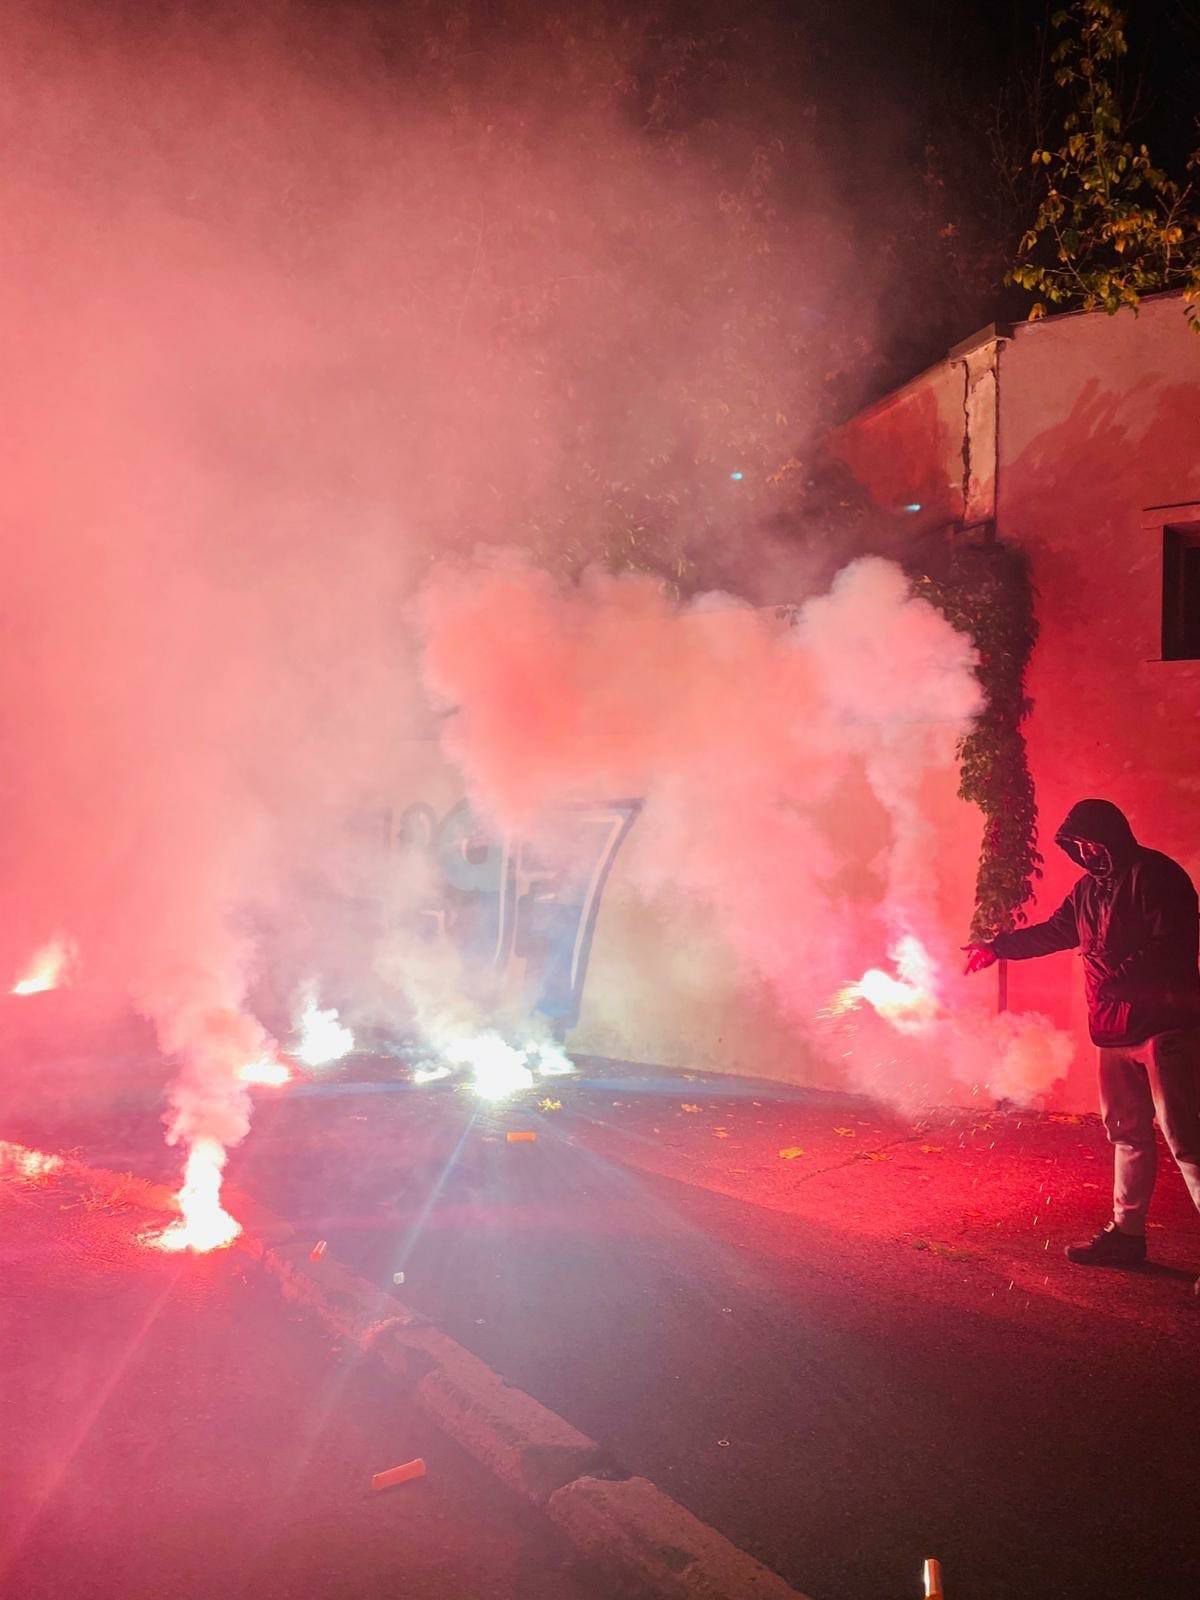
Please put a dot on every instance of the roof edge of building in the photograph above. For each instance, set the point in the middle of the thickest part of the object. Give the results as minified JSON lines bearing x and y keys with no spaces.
{"x":990,"y":333}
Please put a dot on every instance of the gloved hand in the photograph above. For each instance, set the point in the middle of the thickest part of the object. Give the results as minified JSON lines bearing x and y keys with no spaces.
{"x":979,"y":958}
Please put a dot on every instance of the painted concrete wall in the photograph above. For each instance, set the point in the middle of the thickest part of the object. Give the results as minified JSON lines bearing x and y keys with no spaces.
{"x":907,"y":450}
{"x":1067,"y":432}
{"x":1099,"y":421}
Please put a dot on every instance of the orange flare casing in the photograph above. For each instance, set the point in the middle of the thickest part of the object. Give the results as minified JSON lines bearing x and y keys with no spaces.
{"x":401,"y":1474}
{"x":523,"y":1137}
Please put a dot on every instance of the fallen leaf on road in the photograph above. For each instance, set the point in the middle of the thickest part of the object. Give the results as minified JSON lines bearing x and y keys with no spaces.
{"x":686,"y":1107}
{"x":946,"y":1251}
{"x":720,"y":1133}
{"x":931,"y":1149}
{"x":549,"y":1105}
{"x":844,"y":1133}
{"x":872,"y":1155}
{"x":791,"y":1153}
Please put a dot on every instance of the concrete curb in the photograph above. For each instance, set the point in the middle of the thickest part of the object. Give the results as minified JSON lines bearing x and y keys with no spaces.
{"x":633,"y":1527}
{"x":644,"y":1543}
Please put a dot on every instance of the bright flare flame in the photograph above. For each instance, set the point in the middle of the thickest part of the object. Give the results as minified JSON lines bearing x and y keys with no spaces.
{"x":47,"y":969}
{"x":499,"y":1070}
{"x":204,"y":1223}
{"x":908,"y":1002}
{"x":267,"y":1070}
{"x":26,"y":1163}
{"x":323,"y":1039}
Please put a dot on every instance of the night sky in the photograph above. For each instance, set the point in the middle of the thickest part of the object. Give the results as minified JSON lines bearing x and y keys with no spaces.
{"x":911,"y":105}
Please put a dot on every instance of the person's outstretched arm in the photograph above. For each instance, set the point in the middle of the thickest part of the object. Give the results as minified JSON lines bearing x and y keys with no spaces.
{"x":1058,"y":932}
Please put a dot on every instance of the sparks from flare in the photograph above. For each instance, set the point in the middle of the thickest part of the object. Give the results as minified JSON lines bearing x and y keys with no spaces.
{"x":909,"y":1002}
{"x":47,"y":969}
{"x":204,"y":1224}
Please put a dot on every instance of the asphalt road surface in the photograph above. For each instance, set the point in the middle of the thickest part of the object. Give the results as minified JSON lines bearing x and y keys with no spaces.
{"x":847,"y":1340}
{"x":172,"y":1428}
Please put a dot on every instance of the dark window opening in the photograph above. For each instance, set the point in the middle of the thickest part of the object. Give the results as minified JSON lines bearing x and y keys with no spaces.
{"x":1181,"y":594}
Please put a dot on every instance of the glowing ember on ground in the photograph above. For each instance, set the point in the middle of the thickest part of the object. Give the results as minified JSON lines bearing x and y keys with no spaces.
{"x":26,"y":1163}
{"x":47,"y":969}
{"x":323,"y":1039}
{"x":267,"y":1071}
{"x":908,"y":1002}
{"x":204,"y":1223}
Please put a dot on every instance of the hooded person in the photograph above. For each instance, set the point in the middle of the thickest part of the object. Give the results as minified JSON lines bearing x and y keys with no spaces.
{"x":1133,"y":918}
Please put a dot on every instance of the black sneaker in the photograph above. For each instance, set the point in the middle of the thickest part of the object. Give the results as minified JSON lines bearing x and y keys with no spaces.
{"x":1110,"y":1248}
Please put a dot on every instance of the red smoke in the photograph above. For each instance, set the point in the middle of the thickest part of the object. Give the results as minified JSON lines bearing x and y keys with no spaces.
{"x":289,"y":320}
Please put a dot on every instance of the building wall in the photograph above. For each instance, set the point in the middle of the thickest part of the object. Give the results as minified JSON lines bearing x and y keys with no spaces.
{"x":1096,"y":423}
{"x":907,"y":450}
{"x":1067,"y":433}
{"x":1100,"y":421}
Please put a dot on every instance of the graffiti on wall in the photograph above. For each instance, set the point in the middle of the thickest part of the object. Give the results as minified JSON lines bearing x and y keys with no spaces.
{"x":525,"y":912}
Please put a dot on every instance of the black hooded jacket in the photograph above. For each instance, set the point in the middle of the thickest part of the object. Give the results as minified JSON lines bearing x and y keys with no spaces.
{"x":1137,"y":928}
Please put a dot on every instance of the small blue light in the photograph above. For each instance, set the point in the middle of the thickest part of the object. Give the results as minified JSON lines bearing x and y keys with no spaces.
{"x":737,"y":476}
{"x":914,"y":505}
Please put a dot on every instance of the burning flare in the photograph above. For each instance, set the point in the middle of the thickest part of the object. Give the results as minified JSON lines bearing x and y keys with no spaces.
{"x":323,"y":1039}
{"x":26,"y":1163}
{"x":266,"y":1070}
{"x":498,"y":1069}
{"x":204,"y":1223}
{"x":47,"y":969}
{"x":909,"y":1002}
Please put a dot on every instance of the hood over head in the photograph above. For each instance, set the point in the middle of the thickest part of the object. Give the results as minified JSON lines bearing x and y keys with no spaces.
{"x":1099,"y":822}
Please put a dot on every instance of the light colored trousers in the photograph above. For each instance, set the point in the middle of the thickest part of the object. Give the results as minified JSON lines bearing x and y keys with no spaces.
{"x":1160,"y":1078}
